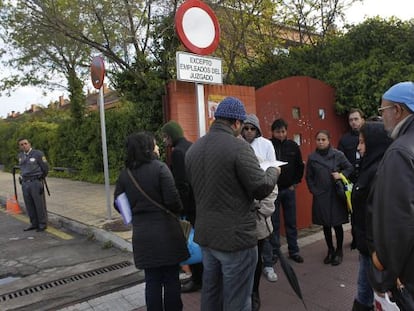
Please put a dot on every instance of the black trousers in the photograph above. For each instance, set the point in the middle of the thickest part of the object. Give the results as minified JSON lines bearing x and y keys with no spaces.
{"x":163,"y":289}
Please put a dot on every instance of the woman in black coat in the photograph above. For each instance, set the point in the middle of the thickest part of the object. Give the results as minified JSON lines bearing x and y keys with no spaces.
{"x":373,"y":142}
{"x":157,"y":238}
{"x":328,"y":209}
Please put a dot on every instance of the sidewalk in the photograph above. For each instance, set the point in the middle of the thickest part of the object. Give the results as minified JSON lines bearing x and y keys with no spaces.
{"x":81,"y":207}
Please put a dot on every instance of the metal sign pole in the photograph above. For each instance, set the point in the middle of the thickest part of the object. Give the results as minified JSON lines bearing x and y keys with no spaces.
{"x":201,"y":109}
{"x":104,"y":152}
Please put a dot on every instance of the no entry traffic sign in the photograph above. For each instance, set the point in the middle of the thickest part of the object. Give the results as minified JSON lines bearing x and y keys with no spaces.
{"x":97,"y":72}
{"x":197,"y":27}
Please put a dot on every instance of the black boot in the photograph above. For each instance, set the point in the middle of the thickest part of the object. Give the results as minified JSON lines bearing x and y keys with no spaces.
{"x":190,"y":287}
{"x":338,"y":256}
{"x":255,"y":301}
{"x":328,"y":259}
{"x":357,"y":306}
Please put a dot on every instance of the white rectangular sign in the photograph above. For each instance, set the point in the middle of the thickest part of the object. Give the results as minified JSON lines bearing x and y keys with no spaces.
{"x":199,"y":69}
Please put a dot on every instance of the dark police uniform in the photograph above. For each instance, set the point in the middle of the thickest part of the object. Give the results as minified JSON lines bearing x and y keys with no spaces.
{"x":34,"y":167}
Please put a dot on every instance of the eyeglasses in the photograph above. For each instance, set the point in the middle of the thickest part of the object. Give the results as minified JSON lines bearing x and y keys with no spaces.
{"x":249,"y":128}
{"x":381,"y":110}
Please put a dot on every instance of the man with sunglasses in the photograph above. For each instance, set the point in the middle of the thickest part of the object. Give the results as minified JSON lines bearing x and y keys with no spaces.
{"x":265,"y":152}
{"x":392,"y":200}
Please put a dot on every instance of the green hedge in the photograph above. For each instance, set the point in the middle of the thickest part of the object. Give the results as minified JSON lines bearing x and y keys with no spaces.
{"x":73,"y":144}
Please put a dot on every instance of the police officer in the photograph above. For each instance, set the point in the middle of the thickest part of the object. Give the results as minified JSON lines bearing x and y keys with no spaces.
{"x":33,"y":168}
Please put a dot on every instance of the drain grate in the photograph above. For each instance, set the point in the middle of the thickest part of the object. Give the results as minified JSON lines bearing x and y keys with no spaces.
{"x":63,"y":281}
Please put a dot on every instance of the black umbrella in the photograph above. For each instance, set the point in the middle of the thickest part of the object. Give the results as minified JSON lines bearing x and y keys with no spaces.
{"x":14,"y":181}
{"x":290,"y":275}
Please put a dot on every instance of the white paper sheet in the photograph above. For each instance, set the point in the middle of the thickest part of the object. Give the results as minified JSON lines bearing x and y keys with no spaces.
{"x":266,"y":164}
{"x":124,"y":207}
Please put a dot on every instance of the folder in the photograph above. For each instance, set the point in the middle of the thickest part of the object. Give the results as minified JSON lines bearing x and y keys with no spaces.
{"x":124,"y":207}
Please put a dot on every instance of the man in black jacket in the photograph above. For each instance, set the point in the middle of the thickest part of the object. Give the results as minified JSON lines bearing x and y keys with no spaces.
{"x":349,"y":141}
{"x":348,"y":145}
{"x":174,"y":138}
{"x":287,"y":151}
{"x":392,"y":204}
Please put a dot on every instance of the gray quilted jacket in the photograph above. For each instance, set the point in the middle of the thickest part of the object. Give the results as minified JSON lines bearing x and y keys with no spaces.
{"x":226,"y":177}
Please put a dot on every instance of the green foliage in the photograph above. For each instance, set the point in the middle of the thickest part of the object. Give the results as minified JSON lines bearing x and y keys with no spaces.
{"x":40,"y":132}
{"x":76,"y":97}
{"x":38,"y":55}
{"x":360,"y":64}
{"x":145,"y":94}
{"x":70,"y":144}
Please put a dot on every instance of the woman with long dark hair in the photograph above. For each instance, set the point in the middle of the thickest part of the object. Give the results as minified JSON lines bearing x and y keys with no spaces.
{"x":328,"y":208}
{"x":157,"y":238}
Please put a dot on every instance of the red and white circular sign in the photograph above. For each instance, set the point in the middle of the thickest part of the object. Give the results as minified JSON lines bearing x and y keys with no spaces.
{"x":97,"y":72}
{"x":197,"y":27}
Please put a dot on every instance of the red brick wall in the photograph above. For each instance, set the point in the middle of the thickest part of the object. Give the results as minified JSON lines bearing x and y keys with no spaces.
{"x":180,"y":104}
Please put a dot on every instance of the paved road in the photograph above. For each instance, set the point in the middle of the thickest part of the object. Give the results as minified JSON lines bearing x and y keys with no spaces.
{"x":48,"y":270}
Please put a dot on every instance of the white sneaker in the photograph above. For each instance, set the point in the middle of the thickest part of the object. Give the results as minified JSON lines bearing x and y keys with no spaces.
{"x":270,"y":274}
{"x":185,"y":276}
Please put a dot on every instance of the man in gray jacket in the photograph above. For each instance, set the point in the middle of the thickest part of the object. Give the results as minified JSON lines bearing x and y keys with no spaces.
{"x":226,"y":178}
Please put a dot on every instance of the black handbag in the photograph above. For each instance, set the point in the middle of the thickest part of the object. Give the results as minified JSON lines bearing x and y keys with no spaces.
{"x":340,"y":189}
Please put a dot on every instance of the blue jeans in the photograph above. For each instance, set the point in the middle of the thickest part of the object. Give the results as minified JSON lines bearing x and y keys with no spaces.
{"x":228,"y":279}
{"x":159,"y":279}
{"x":287,"y":200}
{"x":365,"y":294}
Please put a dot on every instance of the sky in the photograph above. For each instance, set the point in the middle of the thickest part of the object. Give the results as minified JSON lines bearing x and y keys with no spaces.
{"x":24,"y":97}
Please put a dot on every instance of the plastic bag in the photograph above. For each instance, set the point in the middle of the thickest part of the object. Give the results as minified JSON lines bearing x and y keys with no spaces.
{"x":382,"y":302}
{"x":347,"y":191}
{"x":194,"y":249}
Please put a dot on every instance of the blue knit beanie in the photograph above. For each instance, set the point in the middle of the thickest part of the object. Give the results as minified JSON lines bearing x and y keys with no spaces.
{"x":403,"y":93}
{"x":231,"y":108}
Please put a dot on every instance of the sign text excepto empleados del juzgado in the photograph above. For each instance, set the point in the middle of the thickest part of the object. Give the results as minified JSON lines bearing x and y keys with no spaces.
{"x":200,"y":69}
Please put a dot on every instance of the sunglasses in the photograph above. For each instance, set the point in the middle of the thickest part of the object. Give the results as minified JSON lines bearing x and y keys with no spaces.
{"x":249,"y":128}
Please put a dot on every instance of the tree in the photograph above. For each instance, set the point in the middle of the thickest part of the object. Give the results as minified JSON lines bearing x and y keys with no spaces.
{"x":55,"y":37}
{"x":40,"y":56}
{"x":315,"y":19}
{"x":359,"y":64}
{"x":252,"y":31}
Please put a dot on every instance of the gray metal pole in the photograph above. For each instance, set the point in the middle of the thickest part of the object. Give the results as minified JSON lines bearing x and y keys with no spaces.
{"x":201,"y":109}
{"x":104,"y":152}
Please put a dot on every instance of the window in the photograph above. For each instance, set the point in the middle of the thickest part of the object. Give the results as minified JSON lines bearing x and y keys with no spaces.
{"x":297,"y":138}
{"x":321,"y":113}
{"x":296,"y":113}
